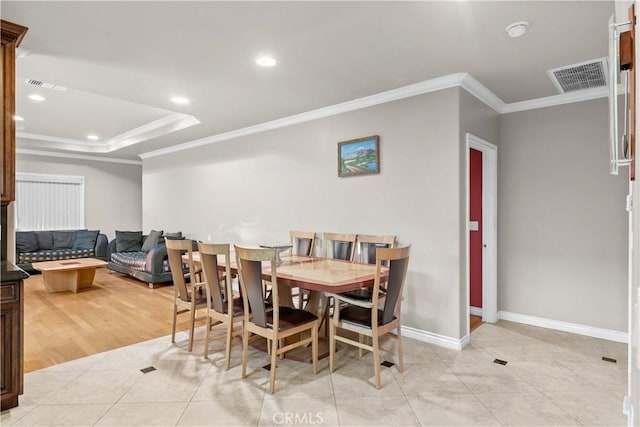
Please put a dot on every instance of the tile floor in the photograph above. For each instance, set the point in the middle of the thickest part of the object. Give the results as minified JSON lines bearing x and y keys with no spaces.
{"x":551,"y":379}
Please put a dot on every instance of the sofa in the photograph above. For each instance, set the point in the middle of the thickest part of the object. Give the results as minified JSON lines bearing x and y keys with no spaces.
{"x":54,"y":245}
{"x":143,"y":257}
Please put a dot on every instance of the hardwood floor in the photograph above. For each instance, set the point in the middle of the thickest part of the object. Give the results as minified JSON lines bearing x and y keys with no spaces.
{"x":474,"y":322}
{"x":117,"y":311}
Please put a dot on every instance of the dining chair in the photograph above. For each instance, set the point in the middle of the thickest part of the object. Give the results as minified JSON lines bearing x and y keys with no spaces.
{"x":302,"y":242}
{"x":221,"y":305}
{"x":188,"y":296}
{"x":365,"y":253}
{"x":340,"y":246}
{"x":274,"y":324}
{"x":365,"y":318}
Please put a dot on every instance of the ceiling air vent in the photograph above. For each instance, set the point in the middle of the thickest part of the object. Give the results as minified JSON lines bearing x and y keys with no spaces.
{"x":585,"y":75}
{"x":45,"y":85}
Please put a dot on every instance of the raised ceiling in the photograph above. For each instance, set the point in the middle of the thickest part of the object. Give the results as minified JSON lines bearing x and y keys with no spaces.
{"x":123,"y":61}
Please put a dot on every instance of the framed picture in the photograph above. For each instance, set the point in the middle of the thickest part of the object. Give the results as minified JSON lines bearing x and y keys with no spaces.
{"x":359,"y":156}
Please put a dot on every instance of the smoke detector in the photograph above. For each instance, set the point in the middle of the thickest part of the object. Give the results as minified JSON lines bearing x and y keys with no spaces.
{"x":45,"y":85}
{"x":584,"y":75}
{"x":517,"y":28}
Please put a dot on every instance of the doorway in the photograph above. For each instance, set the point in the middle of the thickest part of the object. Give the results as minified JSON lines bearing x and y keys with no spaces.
{"x":481,"y":220}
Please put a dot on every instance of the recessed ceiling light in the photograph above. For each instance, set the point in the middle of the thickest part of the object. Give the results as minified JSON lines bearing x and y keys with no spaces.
{"x":36,"y":97}
{"x":92,"y":137}
{"x":517,"y":28}
{"x":266,"y":61}
{"x":18,"y":118}
{"x":179,"y":100}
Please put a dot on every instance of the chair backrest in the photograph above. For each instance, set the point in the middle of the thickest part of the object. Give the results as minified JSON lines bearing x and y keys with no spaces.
{"x":303,"y":242}
{"x":398,"y":260}
{"x":366,"y":246}
{"x":175,"y":250}
{"x":218,"y":294}
{"x":341,"y":245}
{"x":249,"y":262}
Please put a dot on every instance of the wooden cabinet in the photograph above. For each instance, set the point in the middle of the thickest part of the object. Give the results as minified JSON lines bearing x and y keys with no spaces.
{"x":12,"y":335}
{"x":11,"y":35}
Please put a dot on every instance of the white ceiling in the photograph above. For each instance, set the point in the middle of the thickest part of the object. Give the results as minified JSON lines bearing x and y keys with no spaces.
{"x":123,"y":61}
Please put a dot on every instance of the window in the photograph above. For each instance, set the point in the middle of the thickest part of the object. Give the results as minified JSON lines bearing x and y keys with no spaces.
{"x":49,"y":202}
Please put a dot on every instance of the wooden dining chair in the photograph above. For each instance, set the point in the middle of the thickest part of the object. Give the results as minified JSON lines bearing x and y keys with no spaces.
{"x":188,"y":296}
{"x":365,"y":253}
{"x":274,"y":324}
{"x":302,"y":242}
{"x":340,"y":246}
{"x":221,"y":305}
{"x":365,"y":318}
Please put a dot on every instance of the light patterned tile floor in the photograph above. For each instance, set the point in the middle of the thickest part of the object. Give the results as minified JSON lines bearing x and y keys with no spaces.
{"x":551,"y":378}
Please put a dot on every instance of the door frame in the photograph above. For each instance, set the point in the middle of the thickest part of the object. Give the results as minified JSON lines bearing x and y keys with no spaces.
{"x":489,"y":227}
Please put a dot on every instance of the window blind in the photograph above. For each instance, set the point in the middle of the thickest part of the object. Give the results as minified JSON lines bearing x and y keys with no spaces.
{"x":49,"y":202}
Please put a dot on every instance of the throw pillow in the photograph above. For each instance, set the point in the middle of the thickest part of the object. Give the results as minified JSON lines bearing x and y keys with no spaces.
{"x":63,"y":239}
{"x":128,"y":241}
{"x":152,"y":240}
{"x":85,"y":239}
{"x":174,"y":236}
{"x":26,"y":241}
{"x":45,"y":240}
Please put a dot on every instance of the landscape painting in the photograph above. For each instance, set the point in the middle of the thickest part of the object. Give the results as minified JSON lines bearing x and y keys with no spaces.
{"x":359,"y":156}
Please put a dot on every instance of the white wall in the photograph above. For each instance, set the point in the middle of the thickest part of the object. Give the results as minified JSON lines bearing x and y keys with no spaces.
{"x":562,"y":224}
{"x":113,"y":191}
{"x":255,"y":189}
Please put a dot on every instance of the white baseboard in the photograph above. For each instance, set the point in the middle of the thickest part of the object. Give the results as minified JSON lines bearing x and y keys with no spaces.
{"x":476,"y":311}
{"x":559,"y":325}
{"x":431,"y":338}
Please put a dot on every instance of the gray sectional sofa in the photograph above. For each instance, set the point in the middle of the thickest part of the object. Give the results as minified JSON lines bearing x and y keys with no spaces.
{"x":143,"y":257}
{"x":54,"y":245}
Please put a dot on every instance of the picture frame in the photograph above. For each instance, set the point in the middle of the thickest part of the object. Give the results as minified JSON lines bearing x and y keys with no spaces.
{"x":359,"y":156}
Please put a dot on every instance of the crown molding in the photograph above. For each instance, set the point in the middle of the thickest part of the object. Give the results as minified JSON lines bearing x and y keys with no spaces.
{"x":77,"y":156}
{"x":463,"y":80}
{"x":427,"y":86}
{"x":154,"y":129}
{"x":550,"y":101}
{"x":480,"y":91}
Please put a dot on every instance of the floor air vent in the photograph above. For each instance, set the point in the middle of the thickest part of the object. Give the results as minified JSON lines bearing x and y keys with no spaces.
{"x":585,"y":75}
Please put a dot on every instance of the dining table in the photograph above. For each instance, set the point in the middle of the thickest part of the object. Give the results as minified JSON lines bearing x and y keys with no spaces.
{"x":316,"y":275}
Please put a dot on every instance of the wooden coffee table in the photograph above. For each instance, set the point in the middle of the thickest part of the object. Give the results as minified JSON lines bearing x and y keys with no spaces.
{"x":68,"y":274}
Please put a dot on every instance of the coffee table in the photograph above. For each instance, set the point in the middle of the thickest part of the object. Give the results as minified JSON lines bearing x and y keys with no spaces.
{"x":68,"y":274}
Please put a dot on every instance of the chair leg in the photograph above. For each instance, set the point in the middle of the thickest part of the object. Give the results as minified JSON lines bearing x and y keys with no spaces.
{"x":245,"y":350}
{"x":314,"y":348}
{"x":274,"y":357}
{"x":227,"y":356}
{"x":376,"y":360}
{"x":175,"y":319}
{"x":206,"y":337}
{"x":332,"y":345}
{"x":400,"y":362}
{"x":362,"y":339}
{"x":193,"y":322}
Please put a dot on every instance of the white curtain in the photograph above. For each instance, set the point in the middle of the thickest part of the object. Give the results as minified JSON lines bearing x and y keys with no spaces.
{"x":49,"y":202}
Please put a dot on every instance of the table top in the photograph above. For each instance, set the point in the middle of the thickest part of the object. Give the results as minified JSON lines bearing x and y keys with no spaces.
{"x":316,"y":274}
{"x":69,"y":264}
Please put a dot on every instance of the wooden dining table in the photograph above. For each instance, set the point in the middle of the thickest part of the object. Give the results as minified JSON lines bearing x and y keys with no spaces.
{"x":317,"y":276}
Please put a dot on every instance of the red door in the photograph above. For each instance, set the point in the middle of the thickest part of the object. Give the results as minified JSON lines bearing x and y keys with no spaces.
{"x":475,"y":227}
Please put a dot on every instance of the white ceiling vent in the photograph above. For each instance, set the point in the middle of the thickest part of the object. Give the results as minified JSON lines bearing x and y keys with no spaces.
{"x":45,"y":85}
{"x":585,"y":75}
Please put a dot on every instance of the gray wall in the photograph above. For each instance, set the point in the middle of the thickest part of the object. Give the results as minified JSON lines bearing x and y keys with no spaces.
{"x":255,"y":189}
{"x":562,"y":224}
{"x":113,"y":191}
{"x":481,"y":121}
